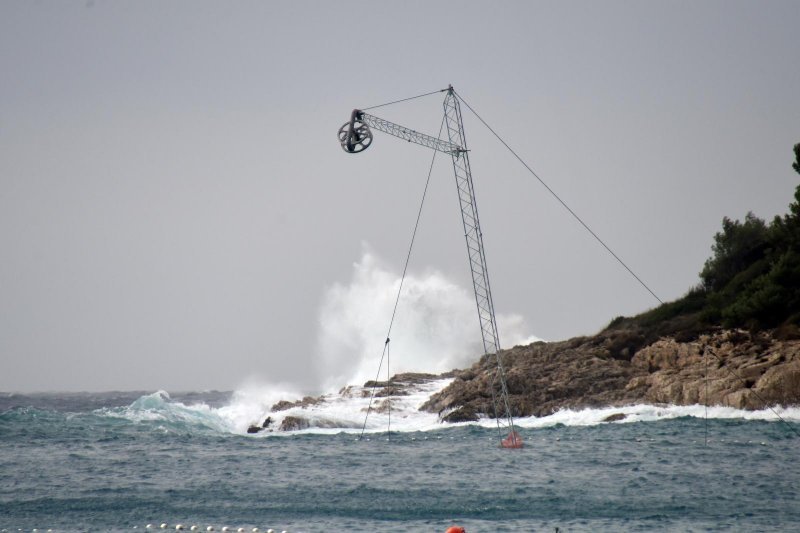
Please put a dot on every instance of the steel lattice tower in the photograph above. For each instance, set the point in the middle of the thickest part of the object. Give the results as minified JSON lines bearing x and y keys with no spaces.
{"x":356,"y":136}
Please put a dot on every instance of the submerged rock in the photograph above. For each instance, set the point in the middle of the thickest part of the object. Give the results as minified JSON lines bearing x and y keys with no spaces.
{"x":255,"y":428}
{"x":384,"y":406}
{"x":462,"y":414}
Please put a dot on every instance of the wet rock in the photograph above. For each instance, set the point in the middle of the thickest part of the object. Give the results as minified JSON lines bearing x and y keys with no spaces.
{"x":254,"y":428}
{"x":307,"y":401}
{"x":392,"y":390}
{"x":399,"y":384}
{"x":383,"y":407}
{"x":462,"y":414}
{"x":294,"y":423}
{"x":615,"y":417}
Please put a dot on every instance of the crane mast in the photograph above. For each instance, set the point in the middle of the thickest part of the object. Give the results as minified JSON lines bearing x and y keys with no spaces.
{"x":476,"y":252}
{"x":356,"y":136}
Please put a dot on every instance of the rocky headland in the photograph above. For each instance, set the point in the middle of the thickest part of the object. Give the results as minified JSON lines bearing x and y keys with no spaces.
{"x":732,"y":368}
{"x":616,"y":367}
{"x":732,"y":340}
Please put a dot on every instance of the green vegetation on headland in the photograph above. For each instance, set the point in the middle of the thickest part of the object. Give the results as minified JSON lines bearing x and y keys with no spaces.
{"x":752,"y":282}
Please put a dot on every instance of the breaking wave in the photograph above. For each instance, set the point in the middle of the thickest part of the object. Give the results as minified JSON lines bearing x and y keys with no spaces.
{"x":345,"y":411}
{"x":654,"y":413}
{"x":159,"y":407}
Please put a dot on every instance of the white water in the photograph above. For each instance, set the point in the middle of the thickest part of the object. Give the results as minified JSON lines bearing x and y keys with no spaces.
{"x":345,"y":412}
{"x":651,"y":413}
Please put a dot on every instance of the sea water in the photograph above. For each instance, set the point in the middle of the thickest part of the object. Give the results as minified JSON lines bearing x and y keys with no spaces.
{"x":121,"y":461}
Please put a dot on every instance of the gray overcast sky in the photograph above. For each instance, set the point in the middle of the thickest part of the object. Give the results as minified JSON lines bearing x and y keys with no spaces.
{"x":174,"y":206}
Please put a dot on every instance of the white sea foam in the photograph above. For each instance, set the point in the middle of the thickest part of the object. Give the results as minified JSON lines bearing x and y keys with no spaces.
{"x":345,"y":411}
{"x":251,"y":403}
{"x":651,"y":413}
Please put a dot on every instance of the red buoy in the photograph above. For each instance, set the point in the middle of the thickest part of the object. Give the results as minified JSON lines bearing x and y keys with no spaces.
{"x":455,"y":529}
{"x":512,"y":441}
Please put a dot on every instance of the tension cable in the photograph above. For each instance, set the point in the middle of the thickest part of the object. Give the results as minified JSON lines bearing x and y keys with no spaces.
{"x":404,"y":100}
{"x":562,"y":202}
{"x":400,"y":289}
{"x":757,"y":395}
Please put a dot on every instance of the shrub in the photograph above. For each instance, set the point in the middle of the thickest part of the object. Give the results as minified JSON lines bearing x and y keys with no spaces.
{"x":752,"y":280}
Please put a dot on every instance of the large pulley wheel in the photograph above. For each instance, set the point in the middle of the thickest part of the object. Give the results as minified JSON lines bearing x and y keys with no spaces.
{"x":355,"y":138}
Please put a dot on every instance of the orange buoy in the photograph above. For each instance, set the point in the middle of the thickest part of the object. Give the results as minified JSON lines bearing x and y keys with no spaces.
{"x":455,"y":529}
{"x":512,"y":441}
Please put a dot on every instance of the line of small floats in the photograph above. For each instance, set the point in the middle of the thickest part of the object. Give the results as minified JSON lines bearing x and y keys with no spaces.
{"x":178,"y":527}
{"x":181,"y":527}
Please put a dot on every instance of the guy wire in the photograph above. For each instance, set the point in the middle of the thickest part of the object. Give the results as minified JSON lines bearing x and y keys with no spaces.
{"x":400,"y":288}
{"x":402,"y":100}
{"x":562,"y":202}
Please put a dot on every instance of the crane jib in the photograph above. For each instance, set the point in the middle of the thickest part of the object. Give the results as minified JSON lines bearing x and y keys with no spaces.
{"x":356,"y":135}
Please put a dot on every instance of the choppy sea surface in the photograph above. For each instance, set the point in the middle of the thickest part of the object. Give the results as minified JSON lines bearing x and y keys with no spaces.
{"x":120,"y":461}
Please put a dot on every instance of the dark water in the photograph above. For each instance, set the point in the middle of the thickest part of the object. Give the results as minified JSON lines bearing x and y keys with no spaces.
{"x":85,"y":462}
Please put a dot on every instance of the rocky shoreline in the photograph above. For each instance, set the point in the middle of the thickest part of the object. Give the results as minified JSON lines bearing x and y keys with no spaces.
{"x":379,"y":397}
{"x":615,"y":368}
{"x":724,"y":367}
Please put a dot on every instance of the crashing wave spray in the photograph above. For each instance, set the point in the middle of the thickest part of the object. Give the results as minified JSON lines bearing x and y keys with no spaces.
{"x":434,"y":331}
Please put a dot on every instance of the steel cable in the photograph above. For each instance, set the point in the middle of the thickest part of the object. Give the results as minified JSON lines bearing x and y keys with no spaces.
{"x":562,"y":202}
{"x":403,"y":100}
{"x":756,"y":394}
{"x":400,"y":289}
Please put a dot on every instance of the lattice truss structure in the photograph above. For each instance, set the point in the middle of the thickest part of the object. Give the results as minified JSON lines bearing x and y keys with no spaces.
{"x":476,"y":253}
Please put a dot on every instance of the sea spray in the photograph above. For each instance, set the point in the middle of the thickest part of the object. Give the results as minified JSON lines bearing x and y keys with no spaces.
{"x":435,"y":330}
{"x":251,"y":403}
